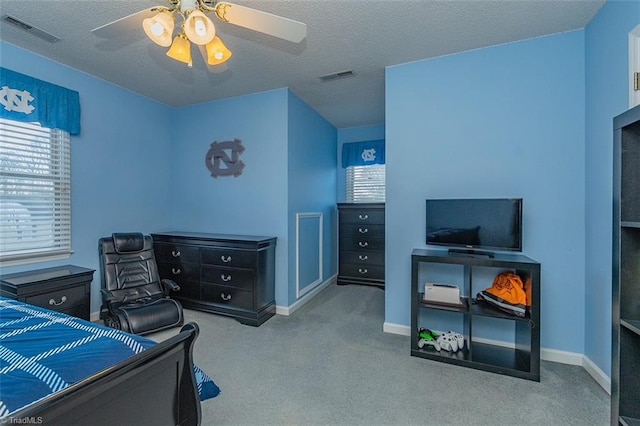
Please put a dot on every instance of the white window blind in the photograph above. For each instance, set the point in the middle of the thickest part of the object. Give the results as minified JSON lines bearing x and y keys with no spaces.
{"x":35,"y":192}
{"x":366,"y":184}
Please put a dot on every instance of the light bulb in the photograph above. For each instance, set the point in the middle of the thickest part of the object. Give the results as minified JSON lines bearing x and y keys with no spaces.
{"x":198,"y":28}
{"x":217,"y":52}
{"x":201,"y":28}
{"x":157,"y":29}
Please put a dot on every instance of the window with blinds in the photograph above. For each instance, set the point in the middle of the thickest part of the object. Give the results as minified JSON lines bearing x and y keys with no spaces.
{"x":366,"y":184}
{"x":35,"y":192}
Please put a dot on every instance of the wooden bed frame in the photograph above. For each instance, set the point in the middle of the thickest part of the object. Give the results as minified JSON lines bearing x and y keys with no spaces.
{"x":154,"y":387}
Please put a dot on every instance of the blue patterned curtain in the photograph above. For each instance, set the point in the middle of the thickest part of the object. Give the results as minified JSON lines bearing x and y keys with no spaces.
{"x":28,"y":99}
{"x":363,"y":153}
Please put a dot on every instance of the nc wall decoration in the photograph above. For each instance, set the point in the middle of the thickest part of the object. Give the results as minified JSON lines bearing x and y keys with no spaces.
{"x":16,"y":100}
{"x":223,"y":158}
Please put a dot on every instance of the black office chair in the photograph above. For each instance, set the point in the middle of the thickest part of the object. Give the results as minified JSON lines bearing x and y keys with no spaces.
{"x":134,"y":298}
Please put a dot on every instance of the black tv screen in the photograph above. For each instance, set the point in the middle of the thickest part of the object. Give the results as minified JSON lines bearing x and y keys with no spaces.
{"x":484,"y":224}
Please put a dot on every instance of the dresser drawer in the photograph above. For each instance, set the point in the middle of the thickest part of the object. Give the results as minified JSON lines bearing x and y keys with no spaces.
{"x":179,"y":271}
{"x":59,"y":300}
{"x":362,"y":271}
{"x":188,"y":290}
{"x":186,"y":275}
{"x":362,"y":216}
{"x":230,"y":296}
{"x":234,"y":258}
{"x":362,"y":230}
{"x":362,"y":244}
{"x":231,"y":277}
{"x":362,"y":257}
{"x":176,"y":253}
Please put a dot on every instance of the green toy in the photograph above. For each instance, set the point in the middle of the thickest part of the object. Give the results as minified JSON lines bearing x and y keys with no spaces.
{"x":427,"y":337}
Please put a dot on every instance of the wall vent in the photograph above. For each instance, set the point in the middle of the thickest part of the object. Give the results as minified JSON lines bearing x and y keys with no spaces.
{"x":30,"y":29}
{"x":337,"y":75}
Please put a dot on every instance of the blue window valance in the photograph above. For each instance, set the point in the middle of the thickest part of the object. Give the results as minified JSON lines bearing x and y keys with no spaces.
{"x":363,"y":153}
{"x":28,"y":99}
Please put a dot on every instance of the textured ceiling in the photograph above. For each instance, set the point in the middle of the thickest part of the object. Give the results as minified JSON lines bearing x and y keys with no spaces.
{"x":360,"y":35}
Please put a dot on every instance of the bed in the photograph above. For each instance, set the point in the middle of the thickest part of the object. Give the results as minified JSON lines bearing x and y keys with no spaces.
{"x":58,"y":369}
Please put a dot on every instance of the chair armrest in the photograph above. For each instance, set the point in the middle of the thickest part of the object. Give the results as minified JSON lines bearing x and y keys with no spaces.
{"x":169,"y":285}
{"x":107,"y":295}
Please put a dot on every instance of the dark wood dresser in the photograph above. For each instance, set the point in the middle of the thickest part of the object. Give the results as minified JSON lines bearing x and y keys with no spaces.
{"x":361,"y":246}
{"x":232,"y":275}
{"x":64,"y":289}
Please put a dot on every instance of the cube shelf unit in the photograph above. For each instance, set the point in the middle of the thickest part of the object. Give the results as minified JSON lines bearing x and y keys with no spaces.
{"x":625,"y":359}
{"x":520,"y":358}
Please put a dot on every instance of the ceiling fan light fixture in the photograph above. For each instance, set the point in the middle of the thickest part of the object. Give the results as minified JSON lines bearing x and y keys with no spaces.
{"x":180,"y":50}
{"x":159,"y":28}
{"x":199,"y":28}
{"x":217,"y":52}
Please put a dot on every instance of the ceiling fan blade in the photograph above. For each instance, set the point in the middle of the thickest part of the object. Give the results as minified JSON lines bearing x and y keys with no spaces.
{"x":263,"y":22}
{"x":124,"y":25}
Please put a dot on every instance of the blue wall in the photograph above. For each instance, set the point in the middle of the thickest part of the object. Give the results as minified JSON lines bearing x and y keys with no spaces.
{"x":254,"y":203}
{"x":607,"y":95}
{"x":119,"y":161}
{"x":506,"y":121}
{"x":289,"y":168}
{"x":312,"y":184}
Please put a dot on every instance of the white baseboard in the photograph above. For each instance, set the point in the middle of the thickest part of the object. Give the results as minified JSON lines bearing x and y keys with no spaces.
{"x":403,"y":330}
{"x":553,"y":355}
{"x":288,"y":310}
{"x":95,"y":316}
{"x":561,"y":357}
{"x":598,"y":375}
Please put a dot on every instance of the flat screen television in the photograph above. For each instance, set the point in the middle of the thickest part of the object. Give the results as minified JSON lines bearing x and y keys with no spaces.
{"x":484,"y":224}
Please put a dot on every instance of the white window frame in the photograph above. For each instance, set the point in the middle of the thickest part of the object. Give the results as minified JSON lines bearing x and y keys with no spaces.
{"x":366,"y":184}
{"x":35,"y":193}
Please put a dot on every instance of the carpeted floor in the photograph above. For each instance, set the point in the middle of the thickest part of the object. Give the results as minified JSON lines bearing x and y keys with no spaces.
{"x":329,"y":363}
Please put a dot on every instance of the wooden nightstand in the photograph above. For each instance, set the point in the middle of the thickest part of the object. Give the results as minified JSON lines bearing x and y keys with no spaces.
{"x":63,"y":288}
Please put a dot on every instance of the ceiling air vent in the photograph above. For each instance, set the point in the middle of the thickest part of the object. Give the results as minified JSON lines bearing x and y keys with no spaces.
{"x":337,"y":75}
{"x":30,"y":29}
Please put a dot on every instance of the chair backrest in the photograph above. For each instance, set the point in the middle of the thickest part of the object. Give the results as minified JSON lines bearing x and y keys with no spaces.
{"x":128,"y":266}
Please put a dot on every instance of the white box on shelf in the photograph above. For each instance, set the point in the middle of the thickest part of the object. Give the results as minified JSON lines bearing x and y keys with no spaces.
{"x":442,"y":293}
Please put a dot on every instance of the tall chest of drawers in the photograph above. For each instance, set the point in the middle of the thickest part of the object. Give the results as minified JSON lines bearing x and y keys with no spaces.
{"x":361,"y":245}
{"x":232,"y":275}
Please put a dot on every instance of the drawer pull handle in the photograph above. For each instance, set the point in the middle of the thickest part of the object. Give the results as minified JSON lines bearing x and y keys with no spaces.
{"x":363,"y":216}
{"x":52,"y":302}
{"x":175,"y":253}
{"x":175,"y":271}
{"x":363,"y":271}
{"x":225,"y":259}
{"x":363,"y":243}
{"x":225,"y":278}
{"x":225,"y":297}
{"x":363,"y":231}
{"x":365,"y":257}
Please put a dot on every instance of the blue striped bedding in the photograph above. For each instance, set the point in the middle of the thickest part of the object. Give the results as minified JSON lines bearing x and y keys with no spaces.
{"x":42,"y":352}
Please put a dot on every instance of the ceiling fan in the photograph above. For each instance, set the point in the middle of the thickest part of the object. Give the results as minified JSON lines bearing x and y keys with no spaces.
{"x":194,"y":26}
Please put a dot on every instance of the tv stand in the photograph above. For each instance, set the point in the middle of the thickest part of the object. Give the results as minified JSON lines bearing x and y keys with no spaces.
{"x":472,"y":253}
{"x":519,"y":357}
